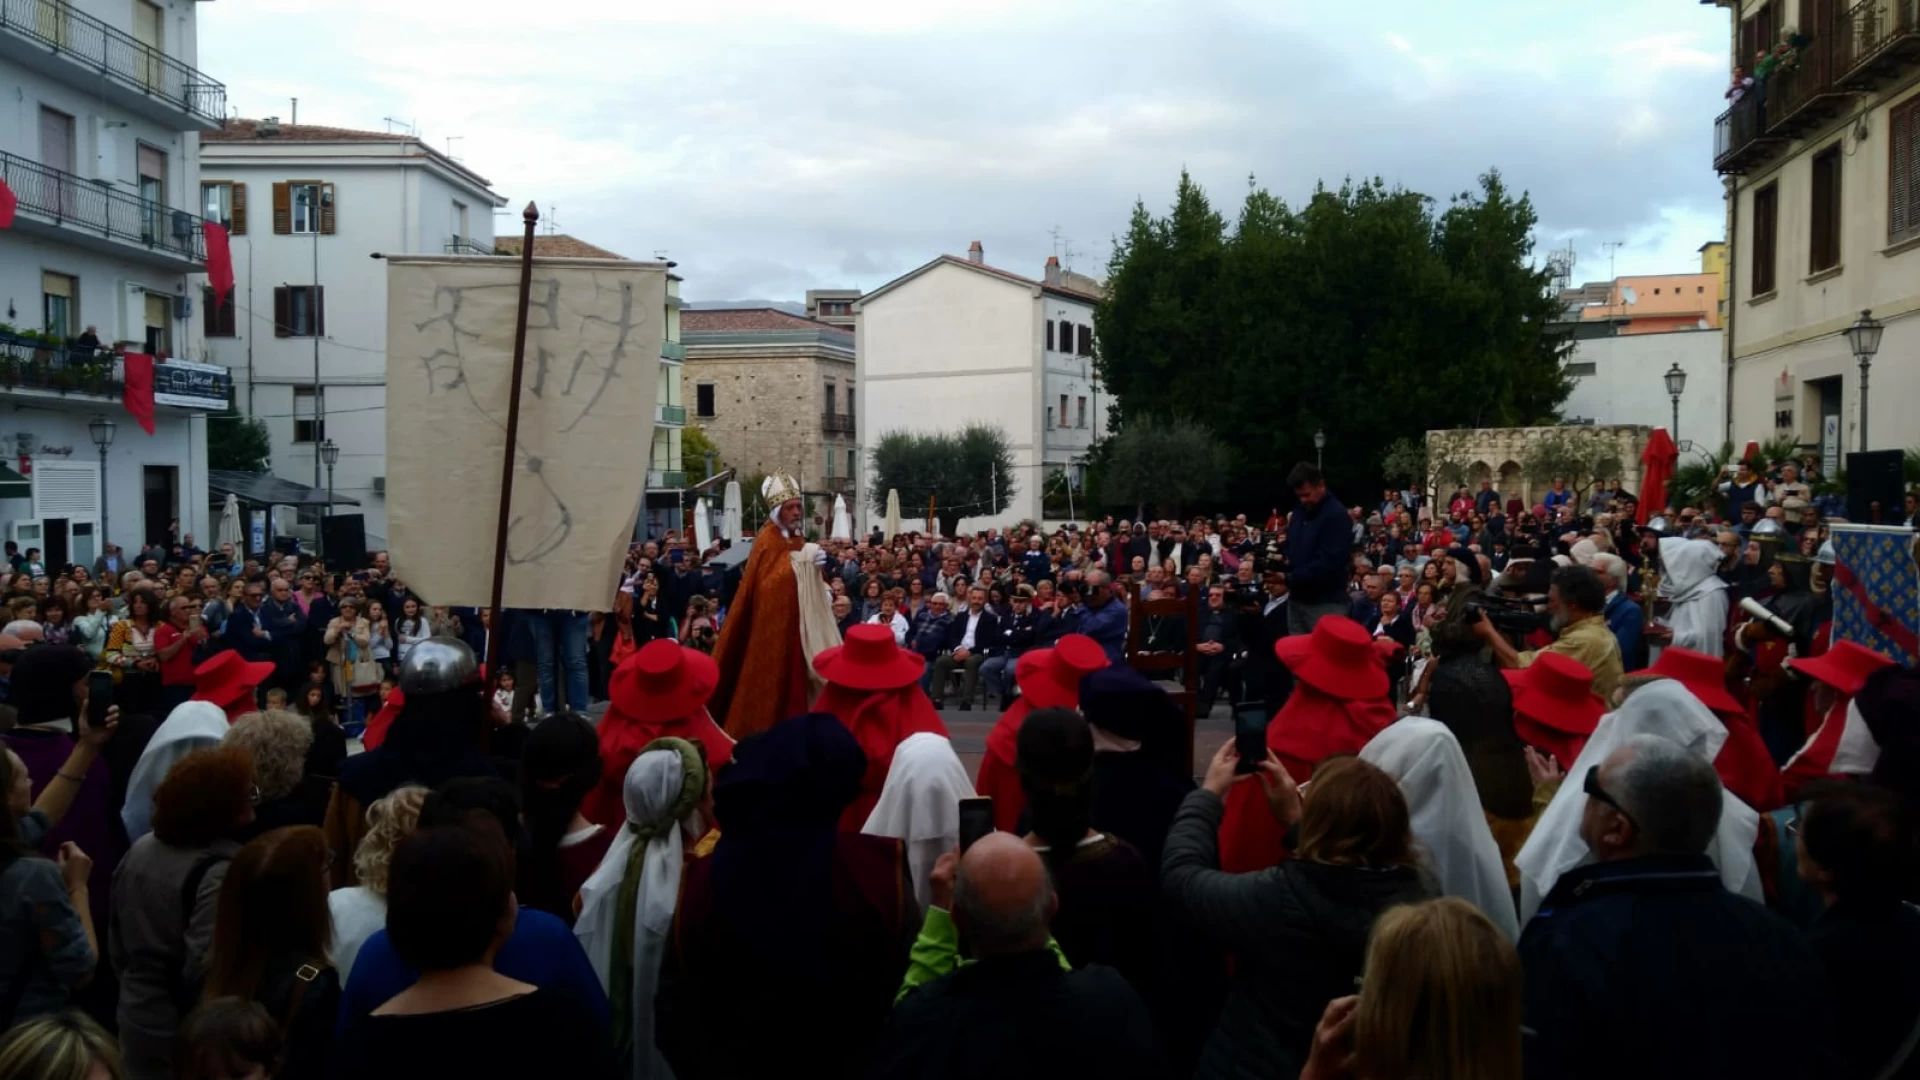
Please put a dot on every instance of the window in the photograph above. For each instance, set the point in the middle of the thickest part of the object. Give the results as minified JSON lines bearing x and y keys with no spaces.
{"x":60,"y":304}
{"x":459,"y":220}
{"x":303,"y":207}
{"x":849,"y":401}
{"x":224,"y":202}
{"x":1063,"y":410}
{"x":152,"y":164}
{"x":300,"y":311}
{"x":159,"y":329}
{"x":703,"y":399}
{"x":1766,"y":219}
{"x":1080,"y":412}
{"x":1049,"y":334}
{"x":1086,"y":341}
{"x":1823,"y":216}
{"x":1581,"y":368}
{"x":216,"y":320}
{"x":1049,"y":416}
{"x":833,"y":398}
{"x":307,"y":427}
{"x":853,"y":459}
{"x":1903,"y":172}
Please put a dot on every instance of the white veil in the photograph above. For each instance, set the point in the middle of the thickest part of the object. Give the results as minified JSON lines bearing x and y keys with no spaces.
{"x":1662,"y":707}
{"x":920,"y":803}
{"x":1425,"y":759}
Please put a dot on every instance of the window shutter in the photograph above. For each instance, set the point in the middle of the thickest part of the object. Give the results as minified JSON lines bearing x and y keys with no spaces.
{"x":1049,"y":333}
{"x":282,"y":316}
{"x":239,"y":209}
{"x":320,"y":311}
{"x":326,"y":209}
{"x":282,"y":208}
{"x":1903,"y":173}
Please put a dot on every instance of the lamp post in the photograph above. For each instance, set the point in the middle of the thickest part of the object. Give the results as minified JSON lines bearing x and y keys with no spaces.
{"x":1676,"y":378}
{"x":1864,"y":337}
{"x":102,"y":429}
{"x":1319,"y":448}
{"x":329,"y":456}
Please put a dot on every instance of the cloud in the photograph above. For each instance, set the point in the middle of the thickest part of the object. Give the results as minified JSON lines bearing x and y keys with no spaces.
{"x":772,"y":147}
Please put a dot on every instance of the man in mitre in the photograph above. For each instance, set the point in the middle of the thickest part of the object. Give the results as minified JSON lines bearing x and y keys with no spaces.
{"x":780,"y":619}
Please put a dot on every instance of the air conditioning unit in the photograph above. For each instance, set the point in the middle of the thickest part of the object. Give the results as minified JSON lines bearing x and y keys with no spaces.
{"x":183,"y":228}
{"x":183,"y":307}
{"x":380,"y":485}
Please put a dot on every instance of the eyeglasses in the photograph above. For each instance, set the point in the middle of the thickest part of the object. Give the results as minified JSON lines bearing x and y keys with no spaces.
{"x":1594,"y":791}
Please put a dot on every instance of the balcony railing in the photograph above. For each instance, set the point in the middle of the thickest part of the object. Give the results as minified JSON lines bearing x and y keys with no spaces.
{"x":1872,"y":38}
{"x":467,"y":245}
{"x":57,"y":28}
{"x":97,"y":209}
{"x":41,"y":362}
{"x":836,"y":421}
{"x":837,"y":485}
{"x":1740,"y":136}
{"x":1802,"y":95}
{"x":670,"y":414}
{"x":673,"y":350}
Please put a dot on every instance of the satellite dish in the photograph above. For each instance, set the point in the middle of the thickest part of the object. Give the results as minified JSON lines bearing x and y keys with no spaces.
{"x":1628,"y":295}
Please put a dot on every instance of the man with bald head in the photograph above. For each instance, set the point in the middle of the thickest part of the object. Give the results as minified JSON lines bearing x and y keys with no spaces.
{"x":1014,"y":1012}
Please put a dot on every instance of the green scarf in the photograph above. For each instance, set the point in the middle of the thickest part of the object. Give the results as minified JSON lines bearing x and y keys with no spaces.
{"x":620,"y":968}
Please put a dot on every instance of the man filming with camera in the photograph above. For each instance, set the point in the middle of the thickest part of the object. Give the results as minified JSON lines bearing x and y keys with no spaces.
{"x":1576,"y":601}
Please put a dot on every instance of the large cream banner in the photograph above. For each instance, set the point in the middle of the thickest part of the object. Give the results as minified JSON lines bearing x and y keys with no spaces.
{"x":594,"y":331}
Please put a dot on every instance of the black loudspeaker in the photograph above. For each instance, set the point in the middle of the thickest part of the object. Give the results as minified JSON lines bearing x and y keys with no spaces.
{"x":1874,"y":476}
{"x":346,"y":541}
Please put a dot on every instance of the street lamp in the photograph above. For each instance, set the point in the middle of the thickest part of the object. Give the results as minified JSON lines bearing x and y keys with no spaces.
{"x":1864,"y":336}
{"x":1319,"y":448}
{"x":329,"y":456}
{"x":1676,"y":383}
{"x":102,"y":428}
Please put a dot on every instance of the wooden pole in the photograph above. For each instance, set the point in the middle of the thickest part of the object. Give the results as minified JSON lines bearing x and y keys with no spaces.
{"x":532,"y":217}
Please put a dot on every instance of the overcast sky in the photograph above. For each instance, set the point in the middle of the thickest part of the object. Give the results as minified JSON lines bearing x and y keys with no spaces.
{"x":771,"y":146}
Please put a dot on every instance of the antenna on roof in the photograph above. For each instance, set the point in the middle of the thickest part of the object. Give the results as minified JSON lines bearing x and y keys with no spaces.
{"x":450,"y":141}
{"x":393,"y":122}
{"x":553,"y":220}
{"x":660,"y":254}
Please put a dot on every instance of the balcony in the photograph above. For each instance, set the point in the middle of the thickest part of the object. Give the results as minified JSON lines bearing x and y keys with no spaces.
{"x":93,"y":214}
{"x":1803,"y":95}
{"x":467,"y":245}
{"x":837,"y":421}
{"x":837,"y":485}
{"x":1873,"y":39}
{"x":1740,"y":138}
{"x":670,"y":415}
{"x":673,"y":351}
{"x":666,"y":479}
{"x":41,"y":366}
{"x":54,"y":39}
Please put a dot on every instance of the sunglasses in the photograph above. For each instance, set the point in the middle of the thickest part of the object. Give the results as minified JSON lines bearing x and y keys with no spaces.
{"x":1591,"y":785}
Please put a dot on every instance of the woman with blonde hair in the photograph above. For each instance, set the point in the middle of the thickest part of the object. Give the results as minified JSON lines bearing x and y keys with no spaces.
{"x":1440,"y":999}
{"x":362,"y":909}
{"x":65,"y":1045}
{"x":280,"y":742}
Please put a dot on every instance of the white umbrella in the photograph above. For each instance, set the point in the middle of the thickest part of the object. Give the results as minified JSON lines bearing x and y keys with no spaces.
{"x":730,"y":516}
{"x":842,"y":522}
{"x":893,"y":513}
{"x":702,"y":524}
{"x":229,"y":531}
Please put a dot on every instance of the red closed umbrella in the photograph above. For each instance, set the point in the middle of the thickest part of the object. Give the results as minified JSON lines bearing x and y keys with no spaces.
{"x":1657,"y":463}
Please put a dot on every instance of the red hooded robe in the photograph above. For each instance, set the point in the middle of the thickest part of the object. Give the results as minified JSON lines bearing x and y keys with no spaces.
{"x":623,"y":736}
{"x":880,"y":720}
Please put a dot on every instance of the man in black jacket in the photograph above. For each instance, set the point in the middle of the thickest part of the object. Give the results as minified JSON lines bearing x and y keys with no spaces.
{"x":1219,"y":643}
{"x":1319,"y":551}
{"x":1013,"y":1012}
{"x":1013,"y":637}
{"x":1643,"y":960}
{"x":967,"y":639}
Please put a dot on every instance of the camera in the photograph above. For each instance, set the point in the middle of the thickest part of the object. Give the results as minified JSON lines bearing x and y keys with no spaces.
{"x":1508,"y":616}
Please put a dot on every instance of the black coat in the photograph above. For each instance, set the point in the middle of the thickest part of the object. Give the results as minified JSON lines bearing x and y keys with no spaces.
{"x":1134,"y":798}
{"x":1298,"y":934}
{"x":1871,"y":953}
{"x":1020,"y":1018}
{"x":1651,"y":962}
{"x":1014,"y":635}
{"x":984,"y":634}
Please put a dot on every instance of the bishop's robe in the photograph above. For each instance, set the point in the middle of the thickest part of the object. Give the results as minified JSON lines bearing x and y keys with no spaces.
{"x":772,"y":632}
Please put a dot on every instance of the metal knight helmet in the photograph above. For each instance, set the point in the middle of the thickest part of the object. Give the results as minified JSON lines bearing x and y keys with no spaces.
{"x":778,"y":487}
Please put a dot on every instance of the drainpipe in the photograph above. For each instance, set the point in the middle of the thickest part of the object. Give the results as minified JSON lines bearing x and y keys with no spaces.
{"x":1733,"y":304}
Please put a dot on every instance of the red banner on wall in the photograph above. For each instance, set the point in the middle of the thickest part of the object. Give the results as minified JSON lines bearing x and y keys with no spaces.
{"x":139,"y":396}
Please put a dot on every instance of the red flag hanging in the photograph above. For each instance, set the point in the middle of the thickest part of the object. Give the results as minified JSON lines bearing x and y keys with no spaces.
{"x":8,"y":202}
{"x":139,"y":396}
{"x":219,"y":262}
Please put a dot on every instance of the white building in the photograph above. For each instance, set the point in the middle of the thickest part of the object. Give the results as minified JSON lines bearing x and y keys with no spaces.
{"x":102,"y":151}
{"x":957,"y":342}
{"x":1622,"y":380}
{"x":306,"y":337}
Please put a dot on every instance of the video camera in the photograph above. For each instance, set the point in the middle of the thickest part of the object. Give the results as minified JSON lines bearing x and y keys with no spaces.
{"x":1510,"y":615}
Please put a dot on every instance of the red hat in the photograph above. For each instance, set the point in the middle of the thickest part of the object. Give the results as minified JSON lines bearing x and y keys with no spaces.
{"x":663,"y":681}
{"x":1050,"y":678}
{"x":226,"y":675}
{"x":870,"y":660}
{"x":1556,"y":691}
{"x":1337,"y":659}
{"x":1701,"y":674}
{"x":1845,"y":666}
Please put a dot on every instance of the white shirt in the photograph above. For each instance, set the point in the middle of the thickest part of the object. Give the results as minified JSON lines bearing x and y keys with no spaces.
{"x":973,"y":621}
{"x":357,"y":913}
{"x":900,"y":628}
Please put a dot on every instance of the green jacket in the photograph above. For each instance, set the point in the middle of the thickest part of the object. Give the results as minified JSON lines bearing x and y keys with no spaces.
{"x":937,"y":951}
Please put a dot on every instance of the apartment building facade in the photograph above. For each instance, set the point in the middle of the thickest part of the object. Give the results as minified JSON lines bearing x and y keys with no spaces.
{"x":1822,"y":165}
{"x":102,"y":153}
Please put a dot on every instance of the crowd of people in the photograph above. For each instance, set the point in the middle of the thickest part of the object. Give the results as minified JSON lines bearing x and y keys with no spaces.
{"x":1513,"y":791}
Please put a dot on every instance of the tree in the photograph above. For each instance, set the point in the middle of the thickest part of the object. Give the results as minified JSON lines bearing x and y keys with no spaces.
{"x":1297,"y":318}
{"x":1165,"y":463}
{"x":1439,"y":460}
{"x":695,"y":444}
{"x":968,"y":473}
{"x":1696,"y":483}
{"x":1580,"y":456}
{"x":238,"y":443}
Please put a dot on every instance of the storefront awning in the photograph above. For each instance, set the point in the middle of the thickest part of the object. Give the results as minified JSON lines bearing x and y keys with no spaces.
{"x":13,"y":485}
{"x":266,"y":489}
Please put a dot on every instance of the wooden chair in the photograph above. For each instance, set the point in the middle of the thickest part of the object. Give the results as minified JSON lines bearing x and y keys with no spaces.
{"x":1159,"y":665}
